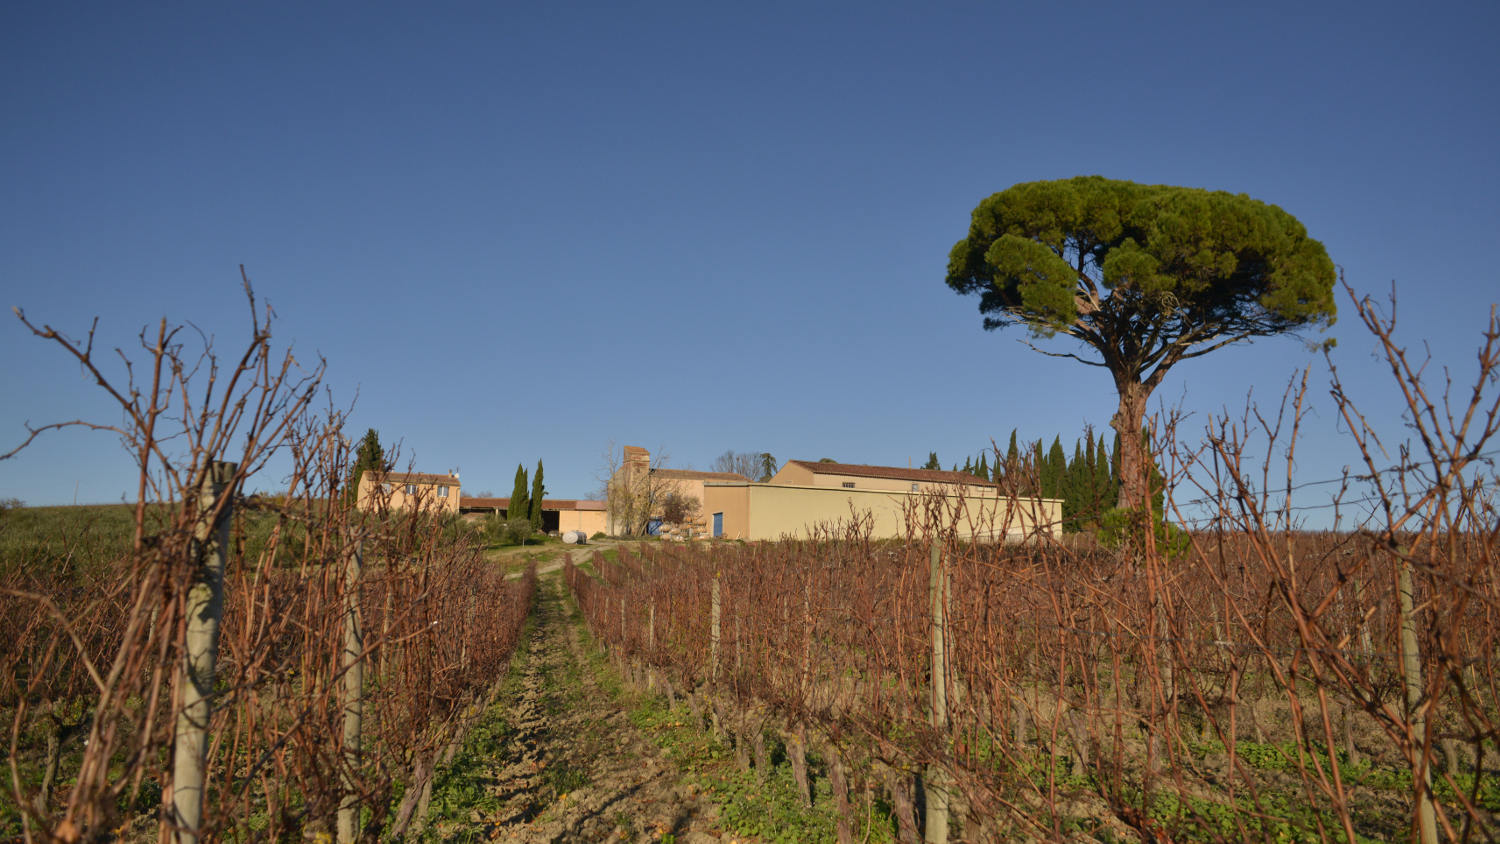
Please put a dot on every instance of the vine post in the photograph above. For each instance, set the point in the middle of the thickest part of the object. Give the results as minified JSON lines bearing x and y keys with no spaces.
{"x":354,"y":681}
{"x":714,"y":614}
{"x":1411,"y":669}
{"x":935,"y":784}
{"x":204,"y":609}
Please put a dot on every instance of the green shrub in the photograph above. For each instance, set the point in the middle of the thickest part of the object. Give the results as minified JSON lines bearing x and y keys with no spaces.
{"x":1121,"y":527}
{"x":598,"y":534}
{"x":456,"y":528}
{"x":498,"y":531}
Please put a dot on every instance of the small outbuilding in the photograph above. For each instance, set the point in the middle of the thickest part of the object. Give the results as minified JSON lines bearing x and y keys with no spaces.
{"x":558,"y":514}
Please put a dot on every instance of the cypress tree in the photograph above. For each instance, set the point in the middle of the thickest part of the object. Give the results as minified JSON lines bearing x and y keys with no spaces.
{"x":1088,"y":504}
{"x":983,"y":470}
{"x":932,"y":461}
{"x":1075,"y":488}
{"x":369,"y":457}
{"x":1114,"y":461}
{"x":520,"y":507}
{"x":968,"y":467}
{"x":1106,"y":488}
{"x":537,"y":491}
{"x":1012,"y":467}
{"x":1054,"y":470}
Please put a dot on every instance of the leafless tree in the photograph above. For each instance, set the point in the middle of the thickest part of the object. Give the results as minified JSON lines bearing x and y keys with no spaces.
{"x":752,"y":464}
{"x":633,"y":492}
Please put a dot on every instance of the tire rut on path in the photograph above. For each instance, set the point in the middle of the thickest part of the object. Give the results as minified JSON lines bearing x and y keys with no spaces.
{"x":573,"y":767}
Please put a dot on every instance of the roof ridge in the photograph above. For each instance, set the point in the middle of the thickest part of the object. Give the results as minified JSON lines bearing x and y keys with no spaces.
{"x":853,"y":469}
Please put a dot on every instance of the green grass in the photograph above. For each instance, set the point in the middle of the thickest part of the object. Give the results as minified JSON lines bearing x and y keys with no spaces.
{"x":769,"y":807}
{"x":72,"y":541}
{"x":80,"y":544}
{"x":459,"y":789}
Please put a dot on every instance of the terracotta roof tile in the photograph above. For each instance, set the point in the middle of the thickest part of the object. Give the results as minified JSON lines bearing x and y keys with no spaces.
{"x":412,"y":478}
{"x":690,"y":475}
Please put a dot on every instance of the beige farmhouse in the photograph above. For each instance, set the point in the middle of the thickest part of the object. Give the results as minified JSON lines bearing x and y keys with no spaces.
{"x":805,"y":496}
{"x":407,"y":490}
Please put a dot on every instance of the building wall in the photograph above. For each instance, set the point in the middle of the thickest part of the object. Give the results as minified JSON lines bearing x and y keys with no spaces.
{"x":588,"y":521}
{"x":793,"y":474}
{"x":690,"y":487}
{"x":766,"y":511}
{"x":733,"y":500}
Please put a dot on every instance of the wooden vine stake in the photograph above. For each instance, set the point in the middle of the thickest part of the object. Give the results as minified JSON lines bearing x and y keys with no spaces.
{"x":713,"y":631}
{"x":205,"y":607}
{"x":1411,"y":666}
{"x":935,"y":784}
{"x":651,"y":645}
{"x":354,"y":683}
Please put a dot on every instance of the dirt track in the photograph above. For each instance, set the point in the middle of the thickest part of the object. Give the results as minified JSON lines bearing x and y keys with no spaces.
{"x":571,"y":766}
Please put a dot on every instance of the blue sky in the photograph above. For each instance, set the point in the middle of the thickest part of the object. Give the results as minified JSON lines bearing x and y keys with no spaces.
{"x":521,"y":232}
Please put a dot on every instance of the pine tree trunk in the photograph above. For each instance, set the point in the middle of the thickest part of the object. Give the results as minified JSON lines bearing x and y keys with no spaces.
{"x":1134,"y":469}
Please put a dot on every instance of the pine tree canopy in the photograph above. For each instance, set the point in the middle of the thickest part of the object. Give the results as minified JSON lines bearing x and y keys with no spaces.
{"x":1145,"y":276}
{"x":1150,"y":273}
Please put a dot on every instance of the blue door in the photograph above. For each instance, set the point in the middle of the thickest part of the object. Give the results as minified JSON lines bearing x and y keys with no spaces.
{"x":718,"y":524}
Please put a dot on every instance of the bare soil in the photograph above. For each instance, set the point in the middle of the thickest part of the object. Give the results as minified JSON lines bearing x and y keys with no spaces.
{"x":566,"y":764}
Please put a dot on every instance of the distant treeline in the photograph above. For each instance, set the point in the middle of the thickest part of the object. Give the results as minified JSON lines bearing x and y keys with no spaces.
{"x":1088,"y":482}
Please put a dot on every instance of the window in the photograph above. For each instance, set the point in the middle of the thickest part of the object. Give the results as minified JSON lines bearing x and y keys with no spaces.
{"x":442,"y":492}
{"x":411,"y":489}
{"x":916,"y":487}
{"x":848,"y":484}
